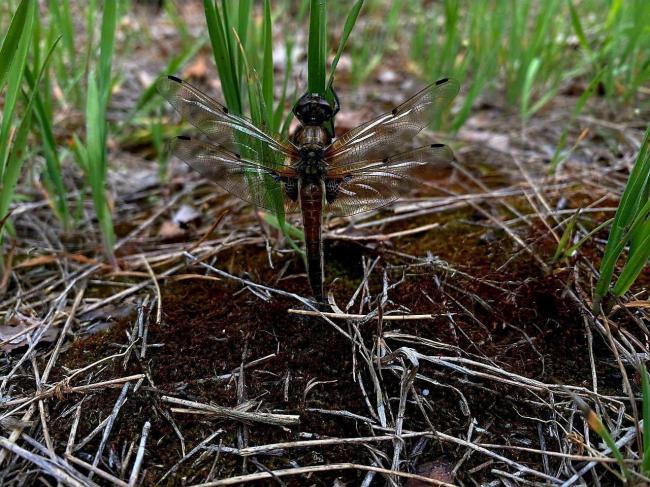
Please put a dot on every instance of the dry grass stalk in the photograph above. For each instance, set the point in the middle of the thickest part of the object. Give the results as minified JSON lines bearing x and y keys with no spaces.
{"x":235,"y":414}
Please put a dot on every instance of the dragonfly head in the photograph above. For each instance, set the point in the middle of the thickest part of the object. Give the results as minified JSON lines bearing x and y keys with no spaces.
{"x":313,"y":109}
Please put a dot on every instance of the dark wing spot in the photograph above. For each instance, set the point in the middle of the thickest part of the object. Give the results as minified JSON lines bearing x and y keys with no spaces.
{"x":394,"y":112}
{"x":238,"y":156}
{"x":225,"y":110}
{"x":437,"y":145}
{"x":441,"y":81}
{"x":184,"y":137}
{"x":174,"y":78}
{"x":385,"y":160}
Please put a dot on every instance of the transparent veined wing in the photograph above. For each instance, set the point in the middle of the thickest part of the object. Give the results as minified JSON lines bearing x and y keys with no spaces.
{"x":248,"y":180}
{"x":373,"y":139}
{"x":235,"y":133}
{"x":368,"y":185}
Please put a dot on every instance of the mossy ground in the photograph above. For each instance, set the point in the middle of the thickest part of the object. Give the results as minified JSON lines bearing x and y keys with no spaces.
{"x":489,"y":298}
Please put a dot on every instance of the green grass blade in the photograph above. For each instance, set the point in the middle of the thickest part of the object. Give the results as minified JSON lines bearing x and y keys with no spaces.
{"x":569,"y":252}
{"x":61,"y":16}
{"x":577,"y":27}
{"x":80,"y":153}
{"x":107,"y":46}
{"x":15,"y":73}
{"x":52,"y":162}
{"x":267,"y":65}
{"x":21,"y":21}
{"x":566,"y":237}
{"x":16,"y":156}
{"x":645,"y":393}
{"x":90,"y":35}
{"x":220,"y":47}
{"x":229,"y":28}
{"x":278,"y":115}
{"x":96,"y":162}
{"x":243,"y":21}
{"x":526,"y":92}
{"x":626,"y":213}
{"x":639,"y":256}
{"x":596,"y":424}
{"x":317,"y":47}
{"x":347,"y":30}
{"x":291,"y":231}
{"x":94,"y":140}
{"x":93,"y":158}
{"x":13,"y":167}
{"x":258,"y":114}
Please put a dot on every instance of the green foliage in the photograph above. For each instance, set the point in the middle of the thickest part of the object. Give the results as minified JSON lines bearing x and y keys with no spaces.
{"x":52,"y":177}
{"x":226,"y":56}
{"x":631,"y":227}
{"x":237,"y":41}
{"x":596,"y":424}
{"x":235,"y":54}
{"x":621,"y":47}
{"x":91,"y":156}
{"x":645,"y":405}
{"x":565,"y":239}
{"x":13,"y":60}
{"x":637,"y":475}
{"x":529,"y":47}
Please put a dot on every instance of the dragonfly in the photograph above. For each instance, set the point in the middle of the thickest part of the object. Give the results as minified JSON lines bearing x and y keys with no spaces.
{"x":312,"y":172}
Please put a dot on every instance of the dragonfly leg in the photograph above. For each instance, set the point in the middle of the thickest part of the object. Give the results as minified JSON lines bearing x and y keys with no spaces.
{"x":337,"y":102}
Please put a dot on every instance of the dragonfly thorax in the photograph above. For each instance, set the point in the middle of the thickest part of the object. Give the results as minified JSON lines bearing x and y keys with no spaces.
{"x":311,"y":142}
{"x":311,"y":153}
{"x":311,"y":162}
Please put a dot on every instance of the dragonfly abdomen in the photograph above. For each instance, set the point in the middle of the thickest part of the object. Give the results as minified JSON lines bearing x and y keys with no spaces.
{"x":311,"y":205}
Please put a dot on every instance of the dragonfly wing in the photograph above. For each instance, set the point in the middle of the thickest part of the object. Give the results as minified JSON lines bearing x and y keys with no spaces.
{"x":368,"y":185}
{"x":250,"y":181}
{"x":373,"y":139}
{"x":223,"y":128}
